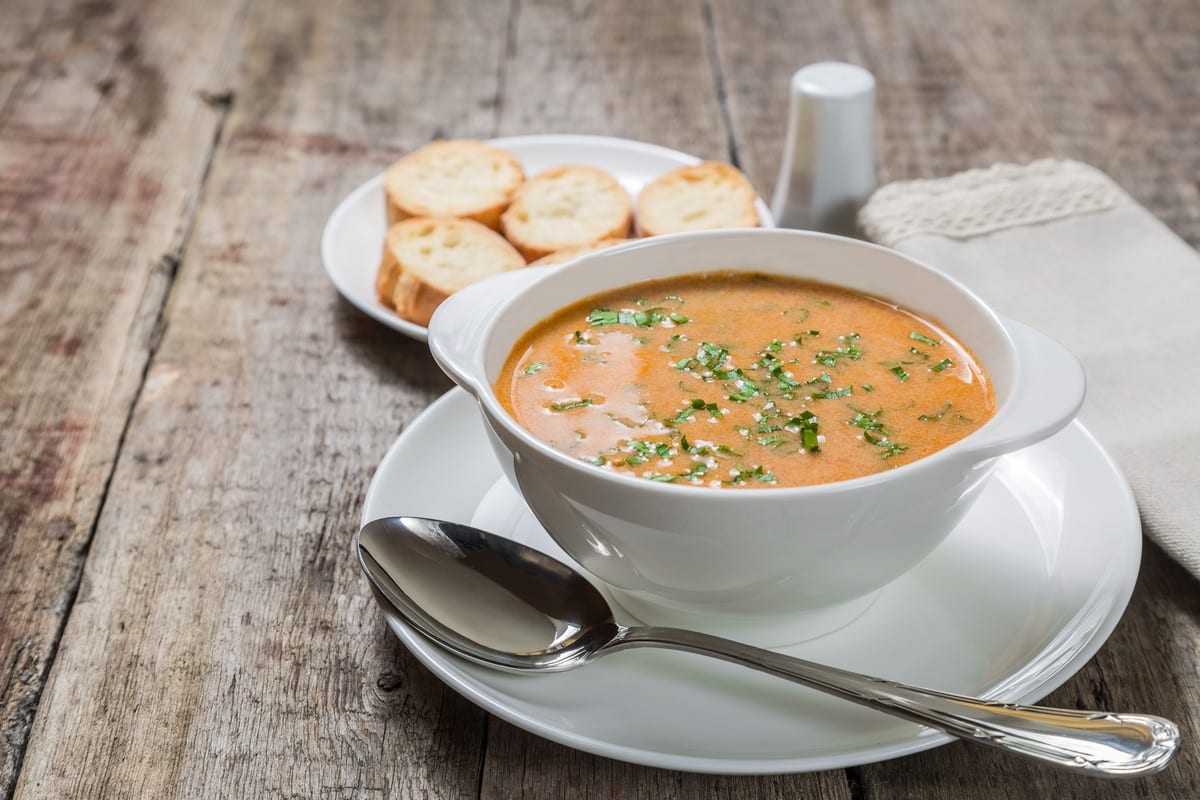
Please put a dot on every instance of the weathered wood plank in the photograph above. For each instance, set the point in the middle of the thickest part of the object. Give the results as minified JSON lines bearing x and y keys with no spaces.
{"x":101,"y":153}
{"x":252,"y":663}
{"x":965,"y":85}
{"x":223,"y":643}
{"x":1151,"y":663}
{"x":638,"y":70}
{"x":758,"y":47}
{"x":641,"y":71}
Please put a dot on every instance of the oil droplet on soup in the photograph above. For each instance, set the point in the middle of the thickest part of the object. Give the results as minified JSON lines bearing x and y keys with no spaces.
{"x":743,"y":380}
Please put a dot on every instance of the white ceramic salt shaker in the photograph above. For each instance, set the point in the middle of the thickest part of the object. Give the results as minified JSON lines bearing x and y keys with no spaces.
{"x":828,"y":167}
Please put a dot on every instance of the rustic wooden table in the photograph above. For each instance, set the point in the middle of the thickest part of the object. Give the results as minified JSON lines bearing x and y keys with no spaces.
{"x":189,"y":414}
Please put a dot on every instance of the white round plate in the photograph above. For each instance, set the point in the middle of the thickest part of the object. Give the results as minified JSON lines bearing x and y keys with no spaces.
{"x":1011,"y":605}
{"x":353,"y":237}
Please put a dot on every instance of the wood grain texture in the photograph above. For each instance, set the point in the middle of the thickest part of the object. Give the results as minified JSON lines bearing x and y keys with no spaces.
{"x":223,"y":643}
{"x":964,"y":85}
{"x":640,"y":71}
{"x":645,"y":74}
{"x":102,"y":150}
{"x":215,"y":425}
{"x":967,"y":84}
{"x":1151,"y":663}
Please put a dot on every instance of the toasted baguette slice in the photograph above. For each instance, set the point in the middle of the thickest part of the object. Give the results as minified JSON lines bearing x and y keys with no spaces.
{"x":703,"y":196}
{"x":430,"y":258}
{"x":568,"y":253}
{"x":457,"y":178}
{"x":563,"y":207}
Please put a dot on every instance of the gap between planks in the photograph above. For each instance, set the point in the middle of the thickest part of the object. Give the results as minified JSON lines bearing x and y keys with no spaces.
{"x":718,"y":77}
{"x":168,"y":268}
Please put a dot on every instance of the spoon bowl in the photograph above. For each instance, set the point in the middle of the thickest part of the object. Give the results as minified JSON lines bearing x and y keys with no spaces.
{"x":532,"y":613}
{"x":505,"y":605}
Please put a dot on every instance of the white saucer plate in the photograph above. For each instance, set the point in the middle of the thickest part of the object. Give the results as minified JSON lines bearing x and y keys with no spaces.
{"x":353,"y":238}
{"x":1012,"y":604}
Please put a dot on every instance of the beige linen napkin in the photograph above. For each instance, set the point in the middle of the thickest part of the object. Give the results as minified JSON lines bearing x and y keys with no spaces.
{"x":1059,"y":245}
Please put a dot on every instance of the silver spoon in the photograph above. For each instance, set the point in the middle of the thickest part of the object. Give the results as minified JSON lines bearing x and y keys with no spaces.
{"x":505,"y":605}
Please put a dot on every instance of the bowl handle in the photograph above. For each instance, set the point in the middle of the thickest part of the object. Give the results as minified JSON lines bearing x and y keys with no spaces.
{"x":460,"y":324}
{"x":1045,"y":398}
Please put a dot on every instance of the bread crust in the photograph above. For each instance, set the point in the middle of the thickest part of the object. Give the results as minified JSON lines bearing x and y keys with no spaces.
{"x":568,"y":253}
{"x":416,"y":300}
{"x":426,"y":259}
{"x":386,"y":275}
{"x":698,"y":197}
{"x":566,"y":206}
{"x":453,"y":178}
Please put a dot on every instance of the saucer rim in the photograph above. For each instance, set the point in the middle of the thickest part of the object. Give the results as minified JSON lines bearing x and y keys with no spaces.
{"x":448,"y":668}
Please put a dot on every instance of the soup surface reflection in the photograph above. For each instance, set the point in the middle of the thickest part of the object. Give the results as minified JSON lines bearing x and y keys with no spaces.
{"x":743,"y":380}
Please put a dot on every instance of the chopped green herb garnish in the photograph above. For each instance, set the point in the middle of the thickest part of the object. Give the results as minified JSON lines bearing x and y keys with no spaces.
{"x":941,"y":365}
{"x":740,"y":475}
{"x":646,"y":449}
{"x":697,"y":404}
{"x":696,"y":472}
{"x":809,"y":427}
{"x":535,"y":368}
{"x":941,"y":412}
{"x":924,"y":339}
{"x":833,"y":395}
{"x":712,"y":355}
{"x":572,"y":404}
{"x":598,"y":461}
{"x":642,"y":319}
{"x":919,"y":353}
{"x":887,"y":447}
{"x":868,"y":422}
{"x":899,"y":372}
{"x":868,"y":387}
{"x":829,"y":358}
{"x":678,"y":319}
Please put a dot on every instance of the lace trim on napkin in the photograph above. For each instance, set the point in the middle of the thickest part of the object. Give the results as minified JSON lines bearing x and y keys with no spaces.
{"x":983,"y":201}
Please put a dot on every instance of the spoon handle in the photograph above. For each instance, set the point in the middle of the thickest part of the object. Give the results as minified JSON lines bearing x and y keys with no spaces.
{"x":1093,"y":742}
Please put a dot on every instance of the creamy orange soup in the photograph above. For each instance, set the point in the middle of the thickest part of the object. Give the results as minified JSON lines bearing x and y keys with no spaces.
{"x":741,"y":380}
